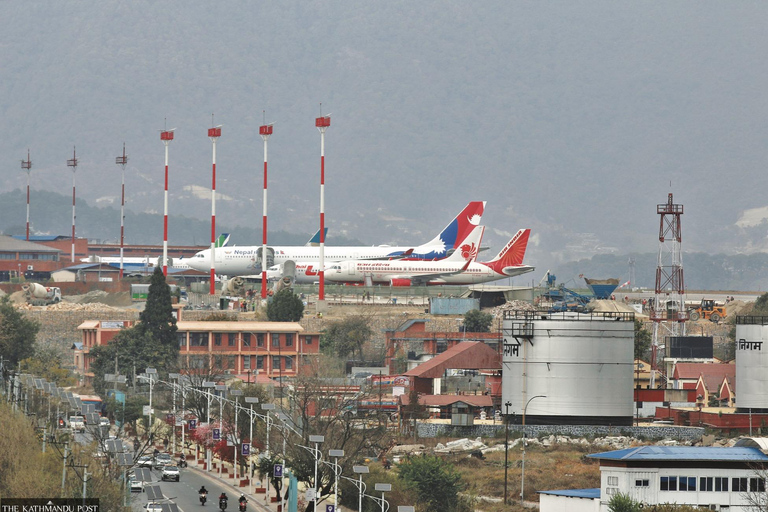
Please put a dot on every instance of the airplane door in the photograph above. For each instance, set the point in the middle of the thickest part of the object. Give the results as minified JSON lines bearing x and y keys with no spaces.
{"x":351,"y":268}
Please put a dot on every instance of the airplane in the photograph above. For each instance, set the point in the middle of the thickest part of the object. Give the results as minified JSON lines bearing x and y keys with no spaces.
{"x":462,"y":270}
{"x":246,"y":260}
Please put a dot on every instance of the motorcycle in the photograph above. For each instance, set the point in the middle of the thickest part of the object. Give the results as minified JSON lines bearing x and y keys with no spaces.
{"x":222,"y":504}
{"x":203,"y":497}
{"x":182,"y":463}
{"x":242,"y":506}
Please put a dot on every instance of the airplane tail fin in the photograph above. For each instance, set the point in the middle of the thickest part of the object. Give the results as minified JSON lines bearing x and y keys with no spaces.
{"x":222,"y":240}
{"x":315,"y":240}
{"x":460,"y":227}
{"x":469,"y":246}
{"x":513,"y":253}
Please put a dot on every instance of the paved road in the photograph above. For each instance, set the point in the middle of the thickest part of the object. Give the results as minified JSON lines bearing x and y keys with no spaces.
{"x":184,"y":493}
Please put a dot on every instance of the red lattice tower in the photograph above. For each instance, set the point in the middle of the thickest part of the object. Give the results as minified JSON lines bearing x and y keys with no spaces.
{"x":668,"y":312}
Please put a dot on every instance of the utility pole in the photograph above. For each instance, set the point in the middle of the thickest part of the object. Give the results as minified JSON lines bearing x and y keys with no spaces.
{"x":64,"y":468}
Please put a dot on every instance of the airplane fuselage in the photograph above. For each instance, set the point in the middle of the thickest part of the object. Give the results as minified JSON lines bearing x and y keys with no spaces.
{"x":405,"y":273}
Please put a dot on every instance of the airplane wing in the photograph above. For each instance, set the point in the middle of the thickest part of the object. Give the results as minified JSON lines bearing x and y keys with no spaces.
{"x":426,"y":278}
{"x":516,"y":270}
{"x":405,"y":254}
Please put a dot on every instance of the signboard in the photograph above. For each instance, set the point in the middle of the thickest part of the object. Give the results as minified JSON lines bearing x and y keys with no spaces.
{"x":112,"y":324}
{"x":330,"y":508}
{"x":147,"y":410}
{"x":309,"y":495}
{"x":216,"y":434}
{"x":246,"y":449}
{"x":192,"y":424}
{"x":278,"y":472}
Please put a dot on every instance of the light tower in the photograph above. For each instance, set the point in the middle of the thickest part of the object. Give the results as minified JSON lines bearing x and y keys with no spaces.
{"x":72,"y":162}
{"x":26,"y":165}
{"x":322,"y":123}
{"x":213,"y":133}
{"x":668,"y":313}
{"x":265,"y":131}
{"x":121,"y":161}
{"x":166,"y":136}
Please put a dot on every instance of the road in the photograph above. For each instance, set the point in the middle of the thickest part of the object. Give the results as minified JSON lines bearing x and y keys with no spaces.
{"x":184,"y":493}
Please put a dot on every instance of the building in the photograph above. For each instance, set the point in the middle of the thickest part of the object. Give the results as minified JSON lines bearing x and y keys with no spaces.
{"x":712,"y":382}
{"x":19,"y":257}
{"x":705,"y":477}
{"x":245,"y":349}
{"x":411,"y":344}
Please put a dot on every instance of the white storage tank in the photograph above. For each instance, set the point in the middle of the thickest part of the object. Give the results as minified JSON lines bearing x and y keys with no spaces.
{"x":569,"y":368}
{"x":752,"y":364}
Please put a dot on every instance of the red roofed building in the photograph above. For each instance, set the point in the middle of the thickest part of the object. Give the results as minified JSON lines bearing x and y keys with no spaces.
{"x":709,"y":380}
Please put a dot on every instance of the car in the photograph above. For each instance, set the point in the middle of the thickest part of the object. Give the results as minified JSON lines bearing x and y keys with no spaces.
{"x":153,"y":507}
{"x":104,"y":422}
{"x":145,"y":461}
{"x":170,"y":473}
{"x":162,"y":459}
{"x":136,"y":485}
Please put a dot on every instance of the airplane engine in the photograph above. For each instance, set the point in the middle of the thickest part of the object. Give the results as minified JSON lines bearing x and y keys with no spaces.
{"x":400,"y":282}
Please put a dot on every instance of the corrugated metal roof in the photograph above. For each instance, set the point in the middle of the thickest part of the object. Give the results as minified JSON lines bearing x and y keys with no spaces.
{"x":444,"y":400}
{"x":188,"y":325}
{"x":754,"y":442}
{"x":590,"y":494}
{"x":468,"y":355}
{"x":688,"y":453}
{"x":42,"y":238}
{"x":10,"y":244}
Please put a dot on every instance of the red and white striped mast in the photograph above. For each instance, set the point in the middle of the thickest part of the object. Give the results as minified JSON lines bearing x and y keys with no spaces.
{"x":322,"y":123}
{"x":73,"y":164}
{"x":166,"y":136}
{"x":26,"y":165}
{"x":213,"y":133}
{"x":121,"y":161}
{"x":265,"y":131}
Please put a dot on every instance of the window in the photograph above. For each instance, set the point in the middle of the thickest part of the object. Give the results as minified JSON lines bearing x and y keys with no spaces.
{"x":260,"y":339}
{"x":217,"y":339}
{"x":289,"y":363}
{"x":275,"y":339}
{"x":613,"y":480}
{"x":289,"y":339}
{"x":642,"y":483}
{"x":757,"y":484}
{"x":246,"y":340}
{"x":259,"y":362}
{"x":246,"y":362}
{"x":231,"y":339}
{"x":611,"y":490}
{"x":739,"y":484}
{"x":721,"y":484}
{"x":182,"y":337}
{"x":705,"y":483}
{"x":231,"y":362}
{"x":668,"y":483}
{"x":198,"y":339}
{"x":686,"y":483}
{"x":276,"y":362}
{"x":307,"y":340}
{"x":218,"y":361}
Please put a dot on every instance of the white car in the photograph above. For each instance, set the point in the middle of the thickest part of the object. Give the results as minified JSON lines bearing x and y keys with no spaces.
{"x":104,"y":422}
{"x":137,"y":486}
{"x":170,"y":473}
{"x":153,"y":507}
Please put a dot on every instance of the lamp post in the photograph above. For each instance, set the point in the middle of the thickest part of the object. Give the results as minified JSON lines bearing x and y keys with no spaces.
{"x":149,"y":374}
{"x":236,"y":393}
{"x":382,"y":488}
{"x":208,"y":384}
{"x":360,"y":471}
{"x":336,"y":471}
{"x":251,"y":400}
{"x":267,"y":408}
{"x":507,"y":405}
{"x":522,"y":473}
{"x":223,"y":389}
{"x":317,"y":440}
{"x":174,"y":376}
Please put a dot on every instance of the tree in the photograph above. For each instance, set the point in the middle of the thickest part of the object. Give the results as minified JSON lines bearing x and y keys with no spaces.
{"x":285,"y":306}
{"x":17,"y":333}
{"x":477,"y":321}
{"x":158,"y":321}
{"x":348,"y":336}
{"x":623,"y":503}
{"x":435,"y":480}
{"x":642,"y":340}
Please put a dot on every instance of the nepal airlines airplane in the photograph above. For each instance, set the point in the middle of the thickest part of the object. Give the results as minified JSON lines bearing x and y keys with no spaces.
{"x":246,"y":260}
{"x":460,"y":269}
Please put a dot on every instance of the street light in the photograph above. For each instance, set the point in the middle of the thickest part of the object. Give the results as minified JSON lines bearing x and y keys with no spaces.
{"x":208,"y":384}
{"x":507,"y":405}
{"x":336,"y":471}
{"x":251,"y":400}
{"x":223,"y":389}
{"x":358,"y":470}
{"x":382,"y":488}
{"x":317,"y":440}
{"x":522,"y":473}
{"x":149,"y":374}
{"x":236,"y":393}
{"x":267,"y":408}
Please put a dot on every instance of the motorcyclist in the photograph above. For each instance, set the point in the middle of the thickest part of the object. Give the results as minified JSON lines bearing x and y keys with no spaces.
{"x":203,"y":492}
{"x":223,"y":501}
{"x":242,"y":501}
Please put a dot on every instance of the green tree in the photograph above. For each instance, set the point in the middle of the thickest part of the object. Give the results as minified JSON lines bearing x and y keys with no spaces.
{"x":436,"y":482}
{"x":642,"y":340}
{"x":623,"y":503}
{"x":348,"y":336}
{"x":17,"y":333}
{"x":158,"y":322}
{"x":285,"y":306}
{"x":477,"y":321}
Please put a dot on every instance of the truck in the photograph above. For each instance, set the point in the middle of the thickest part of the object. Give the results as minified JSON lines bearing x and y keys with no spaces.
{"x":708,"y":310}
{"x":77,"y":423}
{"x":39,"y":295}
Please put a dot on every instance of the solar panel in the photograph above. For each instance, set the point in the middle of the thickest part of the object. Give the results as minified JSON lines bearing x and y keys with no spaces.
{"x":124,"y":459}
{"x":143,"y":474}
{"x":92,"y":418}
{"x":154,"y":492}
{"x":88,"y":408}
{"x":169,"y":507}
{"x":114,"y":445}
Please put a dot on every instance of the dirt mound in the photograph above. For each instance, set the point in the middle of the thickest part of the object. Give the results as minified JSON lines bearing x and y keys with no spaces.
{"x":120,"y":299}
